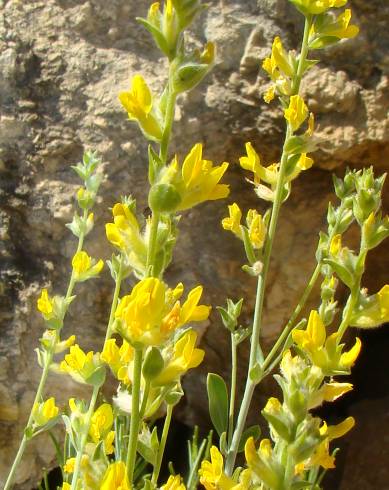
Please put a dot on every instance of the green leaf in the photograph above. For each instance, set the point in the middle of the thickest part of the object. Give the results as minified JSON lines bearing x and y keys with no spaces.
{"x":218,"y":402}
{"x":159,"y":38}
{"x":301,"y":484}
{"x":296,"y":144}
{"x":253,"y":431}
{"x":323,"y":41}
{"x":256,"y":373}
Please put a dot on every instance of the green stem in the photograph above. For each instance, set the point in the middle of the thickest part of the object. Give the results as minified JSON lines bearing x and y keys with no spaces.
{"x":151,"y":251}
{"x":303,"y":56}
{"x":45,"y":372}
{"x":234,"y":365}
{"x":23,"y":443}
{"x":135,"y":418}
{"x":191,"y":483}
{"x":167,"y":131}
{"x":289,"y":326}
{"x":162,"y":445}
{"x":145,"y":399}
{"x":163,"y":154}
{"x":84,"y":436}
{"x":115,"y":299}
{"x":256,"y":354}
{"x":352,"y":299}
{"x":307,"y":291}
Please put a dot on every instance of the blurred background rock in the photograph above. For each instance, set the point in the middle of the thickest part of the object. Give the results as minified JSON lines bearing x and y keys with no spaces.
{"x":62,"y":63}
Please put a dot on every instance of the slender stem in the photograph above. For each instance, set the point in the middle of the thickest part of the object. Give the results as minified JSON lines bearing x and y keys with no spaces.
{"x":289,"y":326}
{"x":256,"y":354}
{"x":163,"y":154}
{"x":307,"y":291}
{"x":193,"y":472}
{"x":145,"y":399}
{"x":167,"y":131}
{"x":84,"y":436}
{"x":353,"y":298}
{"x":162,"y":444}
{"x":234,"y":365}
{"x":115,"y":299}
{"x":303,"y":55}
{"x":45,"y":372}
{"x":18,"y":457}
{"x":135,"y":418}
{"x":151,"y":251}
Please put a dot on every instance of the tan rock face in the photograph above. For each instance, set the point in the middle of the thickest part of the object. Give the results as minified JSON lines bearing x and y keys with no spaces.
{"x":62,"y":63}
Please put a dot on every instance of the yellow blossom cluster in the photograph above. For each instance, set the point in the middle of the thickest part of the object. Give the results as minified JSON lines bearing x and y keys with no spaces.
{"x":152,"y":312}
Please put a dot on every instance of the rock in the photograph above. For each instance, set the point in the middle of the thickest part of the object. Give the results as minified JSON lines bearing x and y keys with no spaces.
{"x":62,"y":63}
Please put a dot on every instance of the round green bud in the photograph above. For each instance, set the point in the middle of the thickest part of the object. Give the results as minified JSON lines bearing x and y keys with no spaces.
{"x":153,"y":364}
{"x":164,"y":198}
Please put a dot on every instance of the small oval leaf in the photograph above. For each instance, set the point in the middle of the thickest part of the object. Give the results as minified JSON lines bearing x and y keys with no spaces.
{"x":218,"y":402}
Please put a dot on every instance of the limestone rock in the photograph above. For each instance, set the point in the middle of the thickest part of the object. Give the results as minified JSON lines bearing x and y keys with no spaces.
{"x":62,"y":63}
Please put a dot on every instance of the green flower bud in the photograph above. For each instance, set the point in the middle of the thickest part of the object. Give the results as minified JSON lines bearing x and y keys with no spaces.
{"x":153,"y":364}
{"x":164,"y":198}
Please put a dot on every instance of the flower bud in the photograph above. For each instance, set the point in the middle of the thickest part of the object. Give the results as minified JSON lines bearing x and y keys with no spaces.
{"x":153,"y":364}
{"x":187,"y":73}
{"x":164,"y":198}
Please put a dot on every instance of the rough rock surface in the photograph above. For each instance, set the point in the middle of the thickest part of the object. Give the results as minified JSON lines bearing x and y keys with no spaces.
{"x":62,"y":63}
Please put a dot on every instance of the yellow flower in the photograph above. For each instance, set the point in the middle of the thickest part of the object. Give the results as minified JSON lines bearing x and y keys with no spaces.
{"x":115,"y":477}
{"x":374,"y":312}
{"x":261,"y":463}
{"x":148,"y":317}
{"x":84,"y":267}
{"x":256,"y":228}
{"x":303,"y":163}
{"x":267,"y":174}
{"x":322,"y":456}
{"x":340,"y":29}
{"x":325,"y":352}
{"x":185,"y":356}
{"x":118,"y":359}
{"x":101,"y":422}
{"x":252,"y":162}
{"x":108,"y":442}
{"x":329,"y":392}
{"x":69,"y":465}
{"x":245,"y":480}
{"x":198,"y":180}
{"x":174,"y":483}
{"x":277,"y":62}
{"x":297,"y":112}
{"x":232,"y":223}
{"x":317,"y":6}
{"x":66,"y":486}
{"x":79,"y":365}
{"x":124,"y":233}
{"x":269,"y":95}
{"x":212,"y":474}
{"x":336,"y":244}
{"x":138,"y":103}
{"x":45,"y":411}
{"x":65,"y":344}
{"x":45,"y":305}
